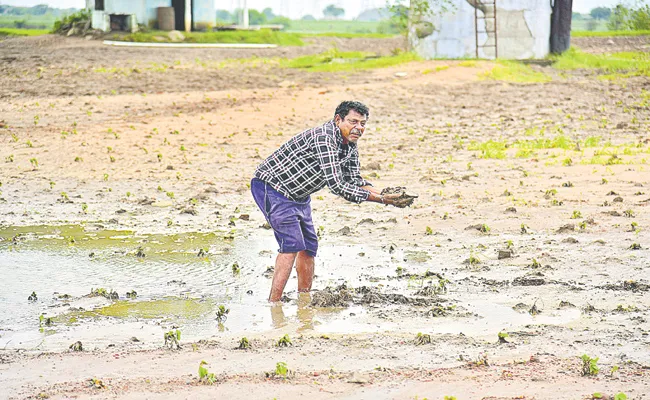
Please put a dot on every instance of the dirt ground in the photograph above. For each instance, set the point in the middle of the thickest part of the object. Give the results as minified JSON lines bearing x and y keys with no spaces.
{"x":551,"y":230}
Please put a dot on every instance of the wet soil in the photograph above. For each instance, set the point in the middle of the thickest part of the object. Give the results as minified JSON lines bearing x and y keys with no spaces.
{"x":134,"y":151}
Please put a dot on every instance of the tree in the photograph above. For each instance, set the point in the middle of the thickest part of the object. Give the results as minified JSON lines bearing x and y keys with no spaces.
{"x":308,"y":17}
{"x":268,"y":12}
{"x":576,"y":16}
{"x":255,"y":17}
{"x":333,"y":11}
{"x":624,"y":18}
{"x":279,"y":20}
{"x":224,"y":16}
{"x":600,"y":13}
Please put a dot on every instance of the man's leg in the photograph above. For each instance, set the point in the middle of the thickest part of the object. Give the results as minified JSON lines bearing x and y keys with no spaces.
{"x":305,"y":270}
{"x":283,"y":265}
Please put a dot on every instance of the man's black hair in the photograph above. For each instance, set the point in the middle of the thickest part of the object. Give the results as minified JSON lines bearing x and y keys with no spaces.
{"x":344,"y":108}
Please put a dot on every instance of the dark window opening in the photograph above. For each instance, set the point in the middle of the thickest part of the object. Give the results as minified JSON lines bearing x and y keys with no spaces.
{"x":119,"y":22}
{"x":99,"y":5}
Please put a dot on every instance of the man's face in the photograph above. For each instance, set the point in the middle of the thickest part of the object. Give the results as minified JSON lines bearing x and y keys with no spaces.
{"x":352,"y":126}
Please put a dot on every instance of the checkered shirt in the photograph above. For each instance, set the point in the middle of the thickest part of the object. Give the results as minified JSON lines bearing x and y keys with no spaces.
{"x":312,"y":160}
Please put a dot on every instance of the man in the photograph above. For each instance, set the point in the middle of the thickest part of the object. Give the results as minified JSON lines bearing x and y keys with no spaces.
{"x":326,"y":155}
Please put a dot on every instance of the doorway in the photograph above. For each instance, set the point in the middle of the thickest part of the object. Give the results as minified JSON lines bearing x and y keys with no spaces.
{"x":179,"y":14}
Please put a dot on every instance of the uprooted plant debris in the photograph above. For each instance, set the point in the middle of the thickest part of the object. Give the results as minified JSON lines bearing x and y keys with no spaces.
{"x":342,"y":296}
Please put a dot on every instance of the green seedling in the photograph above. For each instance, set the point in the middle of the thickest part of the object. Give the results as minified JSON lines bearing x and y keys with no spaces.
{"x":236,"y":269}
{"x":450,"y":398}
{"x":160,"y":157}
{"x":34,"y":162}
{"x":635,"y":246}
{"x":44,"y":321}
{"x":422,"y":339}
{"x":428,"y":231}
{"x":78,"y":159}
{"x":524,"y":229}
{"x":576,"y":215}
{"x":9,"y":158}
{"x":244,"y":344}
{"x":589,"y":365}
{"x":284,"y":341}
{"x":32,"y":297}
{"x":172,"y":340}
{"x":112,"y":159}
{"x":629,"y":213}
{"x":105,"y":177}
{"x":170,"y":195}
{"x":29,"y":144}
{"x":535,"y":264}
{"x":202,"y":253}
{"x":222,"y":313}
{"x":14,"y":137}
{"x":620,"y":396}
{"x":111,"y":295}
{"x":84,"y":208}
{"x":64,"y":197}
{"x":604,"y":181}
{"x":132,"y":294}
{"x":205,"y":376}
{"x":503,"y":336}
{"x":76,"y":346}
{"x":140,"y":253}
{"x":582,"y":225}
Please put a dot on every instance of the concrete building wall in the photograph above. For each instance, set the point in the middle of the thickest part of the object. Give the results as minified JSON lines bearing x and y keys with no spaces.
{"x":204,"y":14}
{"x":199,"y":14}
{"x":523,"y":31}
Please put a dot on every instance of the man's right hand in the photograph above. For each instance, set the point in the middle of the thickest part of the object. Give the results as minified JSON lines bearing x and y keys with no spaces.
{"x":399,"y":200}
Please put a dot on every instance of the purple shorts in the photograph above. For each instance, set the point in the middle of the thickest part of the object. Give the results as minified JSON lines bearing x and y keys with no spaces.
{"x":290,"y":220}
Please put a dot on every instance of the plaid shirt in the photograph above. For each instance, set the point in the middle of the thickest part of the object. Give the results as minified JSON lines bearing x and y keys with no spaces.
{"x":311,"y":160}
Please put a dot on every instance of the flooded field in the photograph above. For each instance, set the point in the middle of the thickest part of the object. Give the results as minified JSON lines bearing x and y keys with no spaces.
{"x":126,"y":214}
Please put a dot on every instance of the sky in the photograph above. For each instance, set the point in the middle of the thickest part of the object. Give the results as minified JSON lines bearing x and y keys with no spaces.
{"x":296,"y":8}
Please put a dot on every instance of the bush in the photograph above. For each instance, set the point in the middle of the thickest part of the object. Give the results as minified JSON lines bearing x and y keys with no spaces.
{"x":69,"y":20}
{"x":629,"y":18}
{"x":279,"y":20}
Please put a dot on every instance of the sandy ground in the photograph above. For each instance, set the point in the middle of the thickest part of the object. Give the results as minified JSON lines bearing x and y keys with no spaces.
{"x":203,"y":122}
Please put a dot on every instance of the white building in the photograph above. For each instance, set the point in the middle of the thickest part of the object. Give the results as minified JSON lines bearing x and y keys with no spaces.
{"x":511,"y":29}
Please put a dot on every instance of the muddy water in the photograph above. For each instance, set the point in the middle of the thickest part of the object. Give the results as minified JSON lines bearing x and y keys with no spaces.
{"x":178,"y":289}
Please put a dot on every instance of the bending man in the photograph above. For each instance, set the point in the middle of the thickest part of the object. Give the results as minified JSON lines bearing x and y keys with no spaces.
{"x":326,"y":155}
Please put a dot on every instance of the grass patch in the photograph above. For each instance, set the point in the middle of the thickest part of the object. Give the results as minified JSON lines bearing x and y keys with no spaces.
{"x":337,"y":61}
{"x":559,"y":142}
{"x":346,"y":35}
{"x":353,"y":27}
{"x":262,"y":36}
{"x":511,"y":71}
{"x":608,"y":33}
{"x":22,"y":32}
{"x":489,"y":149}
{"x":623,"y":64}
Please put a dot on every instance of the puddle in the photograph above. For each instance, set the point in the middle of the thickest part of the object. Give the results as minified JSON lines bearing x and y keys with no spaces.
{"x":178,"y":289}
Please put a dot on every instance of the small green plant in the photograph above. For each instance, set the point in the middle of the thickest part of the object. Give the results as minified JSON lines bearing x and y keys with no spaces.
{"x":576,"y":214}
{"x":589,"y":365}
{"x":629,"y":213}
{"x":34,"y":162}
{"x":172,"y":339}
{"x":503,"y":336}
{"x":281,"y":369}
{"x":236,"y":269}
{"x":244,"y":344}
{"x":450,"y":398}
{"x":422,"y":339}
{"x":284,"y":341}
{"x":484,"y":228}
{"x":428,"y":231}
{"x":635,"y":246}
{"x":222,"y":313}
{"x":206,"y":376}
{"x":132,"y":294}
{"x":524,"y":229}
{"x":76,"y":346}
{"x":84,"y":208}
{"x":535,"y":264}
{"x":620,"y":396}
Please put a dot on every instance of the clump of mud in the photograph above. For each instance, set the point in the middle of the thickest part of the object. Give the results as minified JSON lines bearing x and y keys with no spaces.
{"x":404,"y":200}
{"x":342,"y":296}
{"x":339,"y":296}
